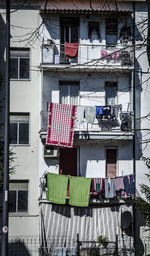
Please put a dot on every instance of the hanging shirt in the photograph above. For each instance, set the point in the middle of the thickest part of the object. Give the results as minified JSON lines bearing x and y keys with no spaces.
{"x":119,"y":184}
{"x":129,"y":185}
{"x":99,"y":111}
{"x":89,"y":114}
{"x":110,"y":188}
{"x":80,"y":114}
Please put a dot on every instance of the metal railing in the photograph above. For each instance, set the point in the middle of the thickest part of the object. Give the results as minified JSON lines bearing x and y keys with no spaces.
{"x":35,"y":246}
{"x":89,"y":54}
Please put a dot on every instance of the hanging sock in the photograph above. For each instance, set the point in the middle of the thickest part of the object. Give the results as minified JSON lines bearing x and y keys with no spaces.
{"x":79,"y":191}
{"x":57,"y":188}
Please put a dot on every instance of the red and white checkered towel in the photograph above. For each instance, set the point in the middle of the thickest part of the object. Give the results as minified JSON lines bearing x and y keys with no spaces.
{"x":61,"y":125}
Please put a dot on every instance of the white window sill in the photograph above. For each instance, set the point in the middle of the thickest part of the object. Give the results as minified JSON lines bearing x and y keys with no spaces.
{"x":22,"y":145}
{"x":18,"y":214}
{"x":15,"y":79}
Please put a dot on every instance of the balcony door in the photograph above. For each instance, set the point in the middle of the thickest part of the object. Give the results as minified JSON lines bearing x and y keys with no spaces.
{"x":111,"y":162}
{"x":68,"y":161}
{"x":69,"y":33}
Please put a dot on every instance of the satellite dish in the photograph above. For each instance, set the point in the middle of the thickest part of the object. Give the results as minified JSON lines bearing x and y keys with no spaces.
{"x":126,"y":220}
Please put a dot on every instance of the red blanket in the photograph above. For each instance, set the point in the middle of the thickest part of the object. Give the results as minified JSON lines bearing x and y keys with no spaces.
{"x":61,"y":124}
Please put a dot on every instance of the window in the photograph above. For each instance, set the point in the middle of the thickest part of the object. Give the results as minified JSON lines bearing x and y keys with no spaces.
{"x":69,"y":30}
{"x":69,"y":92}
{"x":19,"y":63}
{"x":19,"y":128}
{"x":69,"y":34}
{"x":111,"y":31}
{"x":110,"y":93}
{"x":18,"y":196}
{"x":93,"y":30}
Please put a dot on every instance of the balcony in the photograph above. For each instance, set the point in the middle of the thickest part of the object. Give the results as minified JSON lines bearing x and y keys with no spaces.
{"x":91,"y":56}
{"x":117,"y":124}
{"x":94,"y":197}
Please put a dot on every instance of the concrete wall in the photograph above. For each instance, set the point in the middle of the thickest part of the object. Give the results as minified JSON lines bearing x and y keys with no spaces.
{"x":92,"y":87}
{"x":25,"y":98}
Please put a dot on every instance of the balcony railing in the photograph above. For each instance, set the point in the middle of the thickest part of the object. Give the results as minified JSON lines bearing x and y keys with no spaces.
{"x":100,"y":194}
{"x":97,"y":55}
{"x":118,"y":120}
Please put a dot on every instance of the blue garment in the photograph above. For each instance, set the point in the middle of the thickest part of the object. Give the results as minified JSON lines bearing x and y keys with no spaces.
{"x":129,"y":185}
{"x":110,"y":188}
{"x":99,"y":111}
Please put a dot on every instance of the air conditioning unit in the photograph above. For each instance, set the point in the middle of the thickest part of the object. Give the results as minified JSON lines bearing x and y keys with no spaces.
{"x":50,"y":152}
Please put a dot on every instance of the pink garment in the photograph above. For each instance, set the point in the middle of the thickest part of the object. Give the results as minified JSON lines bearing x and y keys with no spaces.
{"x":110,"y":54}
{"x":119,"y":184}
{"x":71,"y":50}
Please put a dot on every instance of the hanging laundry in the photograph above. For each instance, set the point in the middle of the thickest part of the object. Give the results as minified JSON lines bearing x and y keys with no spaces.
{"x":71,"y":50}
{"x":99,"y":111}
{"x":110,"y":188}
{"x":89,"y":114}
{"x":79,"y":191}
{"x":110,"y":54}
{"x":106,"y":110}
{"x":119,"y":184}
{"x":97,"y":185}
{"x":57,"y":188}
{"x":128,"y":185}
{"x":61,"y":125}
{"x":80,"y":114}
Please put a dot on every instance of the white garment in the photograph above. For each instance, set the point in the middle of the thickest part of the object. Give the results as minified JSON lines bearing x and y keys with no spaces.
{"x":90,"y":113}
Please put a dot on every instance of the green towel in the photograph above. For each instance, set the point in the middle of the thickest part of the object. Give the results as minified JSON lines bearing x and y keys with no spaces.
{"x":79,"y":191}
{"x":57,"y":188}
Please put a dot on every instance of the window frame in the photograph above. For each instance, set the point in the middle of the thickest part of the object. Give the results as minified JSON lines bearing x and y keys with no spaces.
{"x":69,"y":84}
{"x":17,"y":190}
{"x":18,"y":122}
{"x":18,"y":62}
{"x":108,"y":32}
{"x":113,"y":84}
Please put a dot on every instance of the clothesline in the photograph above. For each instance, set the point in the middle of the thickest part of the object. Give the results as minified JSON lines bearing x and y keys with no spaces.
{"x":79,"y":189}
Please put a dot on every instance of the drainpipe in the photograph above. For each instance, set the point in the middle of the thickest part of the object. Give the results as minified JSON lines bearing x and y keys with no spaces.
{"x":4,"y":246}
{"x":134,"y":129}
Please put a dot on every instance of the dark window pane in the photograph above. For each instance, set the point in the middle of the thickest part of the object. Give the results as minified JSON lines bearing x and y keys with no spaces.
{"x":12,"y":201}
{"x":24,"y":68}
{"x":24,"y":133}
{"x":112,"y":26}
{"x":74,"y":34}
{"x":13,"y":133}
{"x":14,"y":68}
{"x":111,"y":40}
{"x":22,"y":201}
{"x":67,"y":34}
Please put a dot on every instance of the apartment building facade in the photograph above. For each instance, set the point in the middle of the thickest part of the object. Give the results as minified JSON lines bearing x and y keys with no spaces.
{"x":92,"y":55}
